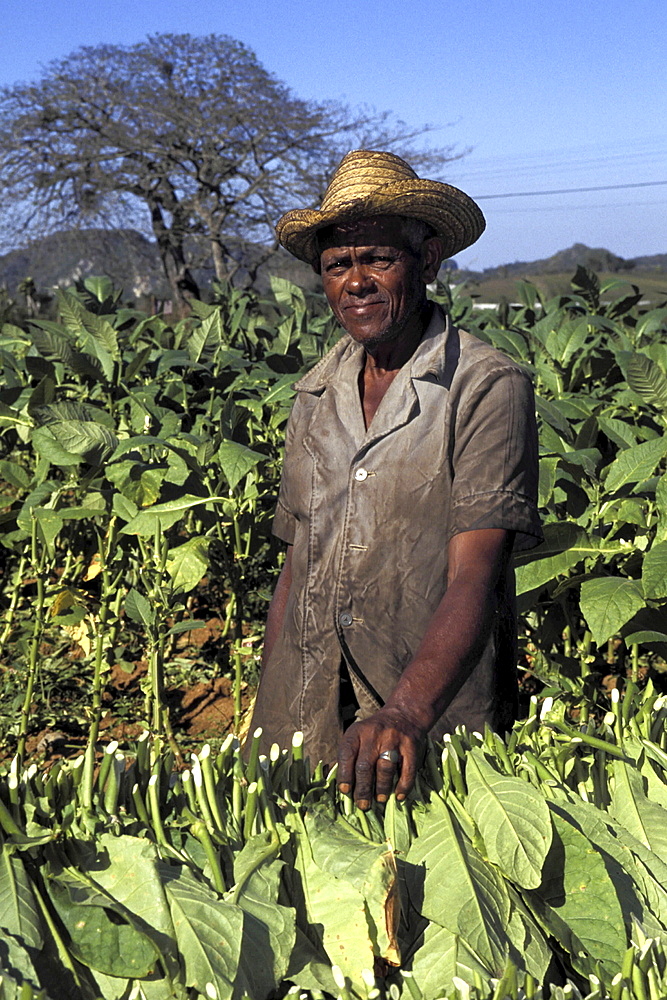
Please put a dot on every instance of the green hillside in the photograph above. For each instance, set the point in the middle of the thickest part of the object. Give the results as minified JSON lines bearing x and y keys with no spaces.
{"x":651,"y":284}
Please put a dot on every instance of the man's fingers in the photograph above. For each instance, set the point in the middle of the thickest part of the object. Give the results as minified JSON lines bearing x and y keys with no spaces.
{"x":385,"y":775}
{"x":347,"y":758}
{"x":364,"y":779}
{"x":370,"y":756}
{"x":408,"y":773}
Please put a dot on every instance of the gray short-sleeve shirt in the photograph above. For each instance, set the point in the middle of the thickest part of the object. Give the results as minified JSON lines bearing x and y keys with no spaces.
{"x":451,"y":448}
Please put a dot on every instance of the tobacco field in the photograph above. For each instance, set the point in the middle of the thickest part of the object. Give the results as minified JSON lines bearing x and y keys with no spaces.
{"x":141,"y":860}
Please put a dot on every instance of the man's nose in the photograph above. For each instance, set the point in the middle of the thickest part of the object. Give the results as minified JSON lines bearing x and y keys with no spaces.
{"x":359,"y":280}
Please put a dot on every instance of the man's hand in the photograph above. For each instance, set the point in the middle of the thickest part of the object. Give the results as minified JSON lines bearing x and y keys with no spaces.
{"x":454,"y":640}
{"x":361,"y":768}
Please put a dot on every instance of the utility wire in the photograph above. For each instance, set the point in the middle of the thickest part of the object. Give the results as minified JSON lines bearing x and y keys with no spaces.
{"x":532,"y":194}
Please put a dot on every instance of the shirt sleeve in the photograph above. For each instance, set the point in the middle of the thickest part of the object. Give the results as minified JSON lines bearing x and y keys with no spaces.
{"x":495,"y":459}
{"x":284,"y":523}
{"x":284,"y":519}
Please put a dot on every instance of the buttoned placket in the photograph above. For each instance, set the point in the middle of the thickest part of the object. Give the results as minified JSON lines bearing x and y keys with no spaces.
{"x":362,"y":478}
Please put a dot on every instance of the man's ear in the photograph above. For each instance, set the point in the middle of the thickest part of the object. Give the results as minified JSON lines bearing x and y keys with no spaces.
{"x":432,"y":255}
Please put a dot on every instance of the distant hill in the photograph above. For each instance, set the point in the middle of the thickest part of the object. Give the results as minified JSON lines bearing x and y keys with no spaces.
{"x":133,"y":263}
{"x":127,"y":257}
{"x":566,"y":261}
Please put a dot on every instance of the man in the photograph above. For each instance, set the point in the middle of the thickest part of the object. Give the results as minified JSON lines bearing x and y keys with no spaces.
{"x":409,"y":477}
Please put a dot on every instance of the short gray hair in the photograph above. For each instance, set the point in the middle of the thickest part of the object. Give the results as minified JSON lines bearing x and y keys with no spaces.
{"x":416,"y":232}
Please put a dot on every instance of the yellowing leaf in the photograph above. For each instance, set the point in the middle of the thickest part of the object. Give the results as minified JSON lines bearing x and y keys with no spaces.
{"x":94,"y":568}
{"x":63,"y":601}
{"x":81,"y":633}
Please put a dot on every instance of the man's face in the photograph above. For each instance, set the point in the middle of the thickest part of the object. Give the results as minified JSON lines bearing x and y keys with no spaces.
{"x":374,"y":280}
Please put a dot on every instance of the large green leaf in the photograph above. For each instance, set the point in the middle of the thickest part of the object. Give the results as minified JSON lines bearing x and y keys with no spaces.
{"x":661,"y":503}
{"x":630,"y":883}
{"x":549,"y":411}
{"x":635,"y":464}
{"x":513,"y":819}
{"x":461,"y":891}
{"x":47,"y":445}
{"x":205,"y":340}
{"x":95,"y":333}
{"x":309,"y":967}
{"x":138,"y":608}
{"x":647,"y":379}
{"x":287,"y":294}
{"x":187,"y":563}
{"x":127,"y":869}
{"x":161,"y":516}
{"x":103,"y":935}
{"x":52,"y":342}
{"x":577,"y":903}
{"x":565,"y":544}
{"x":14,"y":474}
{"x":547,"y":479}
{"x":236,"y":460}
{"x":17,"y":971}
{"x":434,"y":963}
{"x":334,"y":909}
{"x":146,"y":522}
{"x":371,"y":869}
{"x":279,"y":392}
{"x":531,"y":949}
{"x":654,"y":571}
{"x":36,"y":499}
{"x":83,"y":439}
{"x":18,"y":910}
{"x":645,"y":820}
{"x":269,"y":929}
{"x":607,"y":603}
{"x":618,"y":431}
{"x":49,"y":525}
{"x":567,"y":339}
{"x":68,"y":410}
{"x":138,"y":481}
{"x":209,"y":932}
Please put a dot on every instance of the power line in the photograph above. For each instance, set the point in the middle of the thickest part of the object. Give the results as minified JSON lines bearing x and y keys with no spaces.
{"x":584,"y":206}
{"x":516,"y":165}
{"x":604,"y":187}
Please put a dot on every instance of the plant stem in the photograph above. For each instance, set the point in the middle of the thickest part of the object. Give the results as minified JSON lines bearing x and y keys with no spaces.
{"x":38,"y":625}
{"x":238,"y":679}
{"x":14,"y":603}
{"x":96,"y":705}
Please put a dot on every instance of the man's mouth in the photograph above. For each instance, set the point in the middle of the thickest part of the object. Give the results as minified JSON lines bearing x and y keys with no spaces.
{"x":359,"y":308}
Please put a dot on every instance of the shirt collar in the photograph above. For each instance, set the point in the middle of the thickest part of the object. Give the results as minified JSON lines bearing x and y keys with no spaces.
{"x":429,"y":358}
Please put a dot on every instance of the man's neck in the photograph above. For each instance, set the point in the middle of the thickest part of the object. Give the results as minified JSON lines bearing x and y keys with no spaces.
{"x":385,"y":359}
{"x":382,"y":366}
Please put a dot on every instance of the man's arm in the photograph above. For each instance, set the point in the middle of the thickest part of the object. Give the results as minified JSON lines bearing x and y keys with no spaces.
{"x":452,"y":645}
{"x":276,"y":613}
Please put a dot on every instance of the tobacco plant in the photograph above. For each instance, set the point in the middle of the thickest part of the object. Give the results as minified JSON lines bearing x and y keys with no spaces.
{"x":519,"y":867}
{"x":137,"y":459}
{"x":139,"y":464}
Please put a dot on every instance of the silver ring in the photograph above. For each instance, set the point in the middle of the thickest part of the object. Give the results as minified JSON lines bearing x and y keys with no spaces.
{"x":391,"y":755}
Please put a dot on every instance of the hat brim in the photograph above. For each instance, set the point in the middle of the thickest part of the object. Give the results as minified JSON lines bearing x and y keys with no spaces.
{"x":451,"y":213}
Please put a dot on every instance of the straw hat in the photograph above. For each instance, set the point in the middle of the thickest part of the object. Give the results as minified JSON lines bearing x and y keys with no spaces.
{"x":368,"y":183}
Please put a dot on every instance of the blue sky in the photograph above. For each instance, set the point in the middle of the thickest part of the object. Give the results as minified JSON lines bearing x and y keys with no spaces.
{"x":548,"y":94}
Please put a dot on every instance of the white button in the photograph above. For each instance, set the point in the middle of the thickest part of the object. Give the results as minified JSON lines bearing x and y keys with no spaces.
{"x":360,"y":475}
{"x":345,"y":619}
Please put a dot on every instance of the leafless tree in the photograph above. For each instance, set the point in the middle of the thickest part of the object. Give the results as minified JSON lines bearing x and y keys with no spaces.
{"x":178,"y":137}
